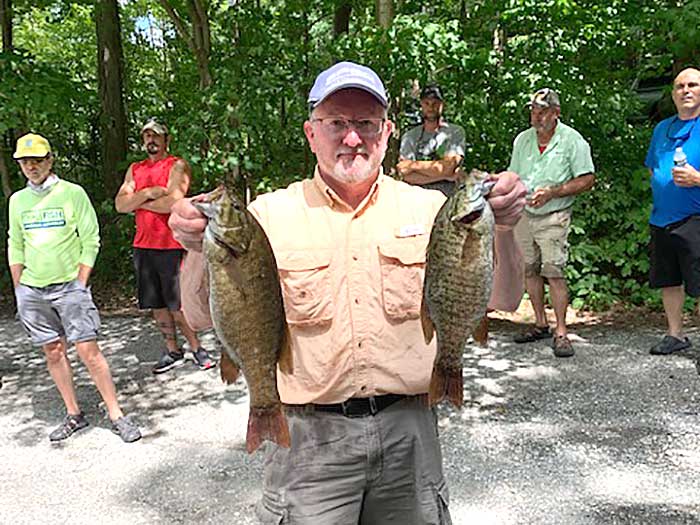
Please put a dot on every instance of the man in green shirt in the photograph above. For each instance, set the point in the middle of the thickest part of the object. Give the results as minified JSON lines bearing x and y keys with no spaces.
{"x":53,"y":240}
{"x":554,"y":161}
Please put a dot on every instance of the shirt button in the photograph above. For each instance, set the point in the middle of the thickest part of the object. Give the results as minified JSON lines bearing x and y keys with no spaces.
{"x":357,"y":301}
{"x":359,"y":345}
{"x":354,"y":257}
{"x":363,"y":388}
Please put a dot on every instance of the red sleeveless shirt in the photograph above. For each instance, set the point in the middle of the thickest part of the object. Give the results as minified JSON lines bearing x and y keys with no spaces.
{"x":152,"y":230}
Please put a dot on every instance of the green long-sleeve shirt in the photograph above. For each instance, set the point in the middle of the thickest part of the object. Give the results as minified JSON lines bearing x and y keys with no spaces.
{"x":52,"y":233}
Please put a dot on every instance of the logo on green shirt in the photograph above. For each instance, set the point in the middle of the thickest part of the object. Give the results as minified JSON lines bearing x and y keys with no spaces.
{"x":48,"y":218}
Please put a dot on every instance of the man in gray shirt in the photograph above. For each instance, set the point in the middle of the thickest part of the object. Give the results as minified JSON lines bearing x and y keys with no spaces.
{"x":431,"y":153}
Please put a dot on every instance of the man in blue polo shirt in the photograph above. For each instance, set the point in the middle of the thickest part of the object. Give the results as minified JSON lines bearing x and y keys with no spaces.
{"x":675,"y":216}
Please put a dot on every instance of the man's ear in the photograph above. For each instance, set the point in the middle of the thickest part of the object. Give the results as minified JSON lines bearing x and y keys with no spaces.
{"x":389,"y":127}
{"x":309,"y":132}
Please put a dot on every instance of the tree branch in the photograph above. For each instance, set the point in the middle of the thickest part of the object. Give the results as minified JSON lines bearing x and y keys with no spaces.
{"x":179,"y":24}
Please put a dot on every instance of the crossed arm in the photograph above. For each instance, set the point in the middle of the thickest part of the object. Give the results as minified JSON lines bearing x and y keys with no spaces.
{"x":155,"y":198}
{"x":427,"y":171}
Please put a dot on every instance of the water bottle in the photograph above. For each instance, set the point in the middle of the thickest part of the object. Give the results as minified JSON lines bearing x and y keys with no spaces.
{"x":679,"y":158}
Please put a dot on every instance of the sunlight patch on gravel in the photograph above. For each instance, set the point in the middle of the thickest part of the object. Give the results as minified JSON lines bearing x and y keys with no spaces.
{"x":499,"y":365}
{"x":535,"y":372}
{"x":468,"y":514}
{"x":636,"y":485}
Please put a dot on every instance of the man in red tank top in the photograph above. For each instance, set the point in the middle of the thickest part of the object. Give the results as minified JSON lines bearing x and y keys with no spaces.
{"x":149,"y":190}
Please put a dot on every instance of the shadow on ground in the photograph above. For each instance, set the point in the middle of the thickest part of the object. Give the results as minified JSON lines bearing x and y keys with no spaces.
{"x":131,"y":347}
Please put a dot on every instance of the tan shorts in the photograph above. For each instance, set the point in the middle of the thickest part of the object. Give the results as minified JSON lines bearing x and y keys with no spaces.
{"x":544,"y":243}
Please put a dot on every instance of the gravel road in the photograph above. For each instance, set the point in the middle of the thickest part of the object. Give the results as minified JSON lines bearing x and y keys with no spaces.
{"x":611,"y":436}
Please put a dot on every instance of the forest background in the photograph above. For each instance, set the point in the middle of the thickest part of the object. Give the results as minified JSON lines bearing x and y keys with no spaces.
{"x":230,"y":79}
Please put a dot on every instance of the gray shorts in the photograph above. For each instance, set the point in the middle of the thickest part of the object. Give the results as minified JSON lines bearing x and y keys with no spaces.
{"x":370,"y":470}
{"x":57,"y":310}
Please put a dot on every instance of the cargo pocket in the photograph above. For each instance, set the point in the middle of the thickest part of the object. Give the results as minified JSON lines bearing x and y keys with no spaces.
{"x":435,"y":504}
{"x":306,"y":286}
{"x":79,"y":315}
{"x":271,"y":510}
{"x":402,"y":264}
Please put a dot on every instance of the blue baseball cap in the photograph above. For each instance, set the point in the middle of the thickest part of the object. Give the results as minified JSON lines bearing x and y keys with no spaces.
{"x":345,"y":75}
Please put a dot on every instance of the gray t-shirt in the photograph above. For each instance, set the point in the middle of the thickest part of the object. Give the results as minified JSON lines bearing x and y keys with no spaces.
{"x":446,"y":141}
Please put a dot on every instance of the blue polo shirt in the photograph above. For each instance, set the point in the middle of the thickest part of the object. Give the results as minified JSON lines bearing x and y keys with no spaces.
{"x":672,"y":203}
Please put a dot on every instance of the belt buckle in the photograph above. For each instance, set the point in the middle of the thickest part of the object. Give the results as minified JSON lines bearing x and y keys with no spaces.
{"x":373,"y":406}
{"x":363,"y":411}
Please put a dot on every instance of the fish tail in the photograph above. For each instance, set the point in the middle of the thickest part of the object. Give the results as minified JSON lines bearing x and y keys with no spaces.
{"x":445,"y":384}
{"x":481,"y":331}
{"x":267,"y":424}
{"x":228,"y":370}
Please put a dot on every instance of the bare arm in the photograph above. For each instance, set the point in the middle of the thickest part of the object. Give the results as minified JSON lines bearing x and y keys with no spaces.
{"x":16,"y":273}
{"x":573,"y":187}
{"x":426,"y":171}
{"x":128,"y":199}
{"x":84,"y":272}
{"x":178,"y":184}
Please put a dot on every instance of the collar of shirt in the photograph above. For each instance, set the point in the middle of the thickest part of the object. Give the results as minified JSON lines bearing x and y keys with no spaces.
{"x":556,"y":137}
{"x":45,"y":186}
{"x":329,"y":197}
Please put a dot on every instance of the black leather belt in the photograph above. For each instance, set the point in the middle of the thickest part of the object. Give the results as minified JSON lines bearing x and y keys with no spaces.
{"x":357,"y":406}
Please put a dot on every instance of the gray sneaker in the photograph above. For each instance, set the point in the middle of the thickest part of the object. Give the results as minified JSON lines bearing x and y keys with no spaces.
{"x":202,"y":359}
{"x":126,"y":429}
{"x":168,"y":361}
{"x":71,"y":424}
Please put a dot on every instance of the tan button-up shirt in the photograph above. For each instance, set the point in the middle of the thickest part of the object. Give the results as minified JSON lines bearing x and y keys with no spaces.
{"x":352,"y":283}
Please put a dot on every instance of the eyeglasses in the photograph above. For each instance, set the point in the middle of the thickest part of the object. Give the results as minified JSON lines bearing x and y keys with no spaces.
{"x":32,"y":161}
{"x":338,"y":127}
{"x":683,"y":132}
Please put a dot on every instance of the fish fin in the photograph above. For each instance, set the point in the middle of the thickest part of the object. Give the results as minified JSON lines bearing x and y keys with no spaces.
{"x":286,"y":362}
{"x":267,"y":424}
{"x":228,"y":370}
{"x":481,"y":331}
{"x":426,"y":322}
{"x":448,"y":385}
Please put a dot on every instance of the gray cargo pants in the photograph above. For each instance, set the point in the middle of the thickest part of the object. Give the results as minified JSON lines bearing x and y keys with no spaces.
{"x":373,"y":470}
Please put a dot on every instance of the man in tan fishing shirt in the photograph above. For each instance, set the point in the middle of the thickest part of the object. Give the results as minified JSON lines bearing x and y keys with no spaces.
{"x":350,"y":245}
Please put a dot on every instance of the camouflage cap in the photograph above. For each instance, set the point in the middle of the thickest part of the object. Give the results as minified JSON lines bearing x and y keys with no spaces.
{"x":544,"y":98}
{"x":431,"y":91}
{"x":155,"y":126}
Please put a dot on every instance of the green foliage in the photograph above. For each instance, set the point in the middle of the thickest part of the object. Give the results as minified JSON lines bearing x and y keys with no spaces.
{"x":487,"y":55}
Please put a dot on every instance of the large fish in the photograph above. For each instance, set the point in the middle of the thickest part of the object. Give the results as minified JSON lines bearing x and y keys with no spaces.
{"x":457,"y":285}
{"x":247,"y":310}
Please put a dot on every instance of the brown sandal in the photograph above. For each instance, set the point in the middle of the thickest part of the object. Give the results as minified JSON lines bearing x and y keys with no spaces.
{"x":536,"y":333}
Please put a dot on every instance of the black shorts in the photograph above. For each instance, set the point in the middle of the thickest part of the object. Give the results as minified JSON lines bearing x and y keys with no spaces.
{"x":674,"y":255}
{"x":158,"y":278}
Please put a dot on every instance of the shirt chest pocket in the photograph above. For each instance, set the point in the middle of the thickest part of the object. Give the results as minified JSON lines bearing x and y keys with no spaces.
{"x":402,"y":263}
{"x":306,"y":286}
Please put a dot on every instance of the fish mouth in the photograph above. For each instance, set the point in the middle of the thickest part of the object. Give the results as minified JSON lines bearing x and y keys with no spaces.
{"x":470,"y":217}
{"x":217,"y":239}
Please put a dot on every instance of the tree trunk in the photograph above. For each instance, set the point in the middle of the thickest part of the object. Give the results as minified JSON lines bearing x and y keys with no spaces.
{"x":341,"y":18}
{"x":385,"y":13}
{"x":6,"y":23}
{"x":5,"y":176}
{"x":110,"y":68}
{"x":197,"y":38}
